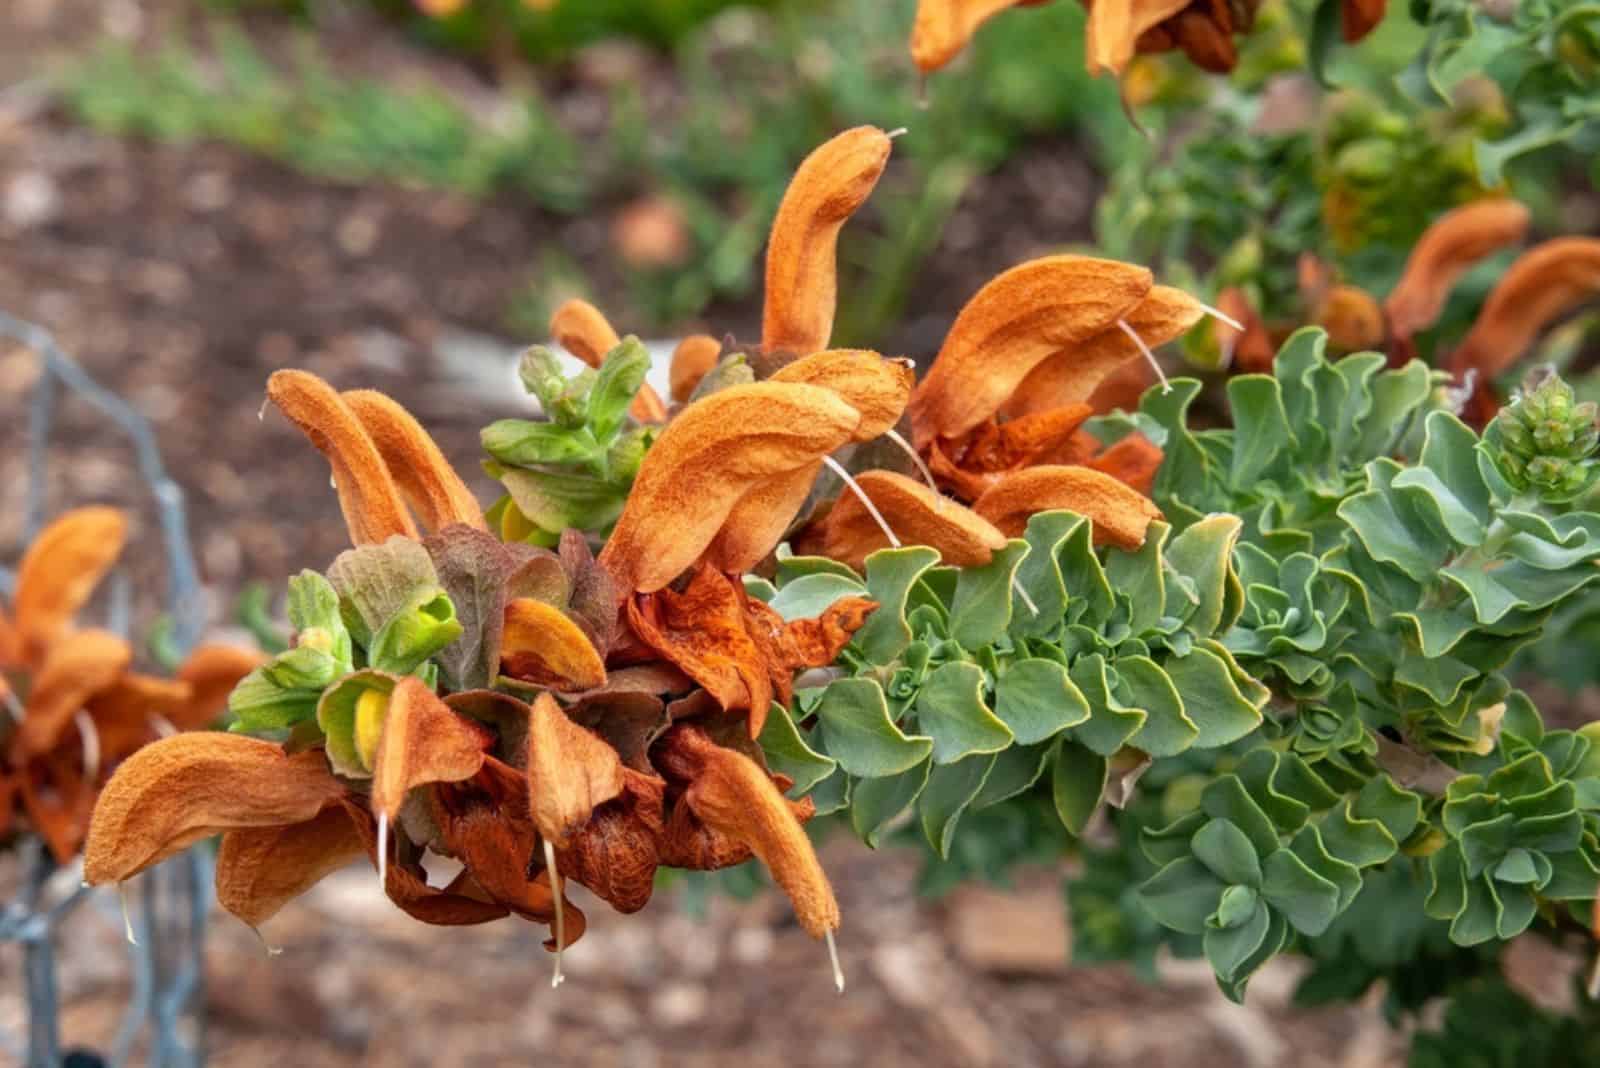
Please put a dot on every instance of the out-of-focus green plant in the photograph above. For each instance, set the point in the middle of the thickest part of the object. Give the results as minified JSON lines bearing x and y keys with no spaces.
{"x":325,"y":123}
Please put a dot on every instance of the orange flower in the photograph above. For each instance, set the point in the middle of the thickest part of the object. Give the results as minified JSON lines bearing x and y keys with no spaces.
{"x":74,"y":708}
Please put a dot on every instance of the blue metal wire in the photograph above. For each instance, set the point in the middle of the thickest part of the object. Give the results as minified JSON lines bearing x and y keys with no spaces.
{"x":167,"y":961}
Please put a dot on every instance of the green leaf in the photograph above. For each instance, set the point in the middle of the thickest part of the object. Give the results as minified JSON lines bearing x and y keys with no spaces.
{"x":891,"y":573}
{"x":1226,"y":799}
{"x":525,"y":443}
{"x":414,"y":634}
{"x":617,"y":379}
{"x":1323,"y":40}
{"x":875,"y":803}
{"x":951,"y":710}
{"x":1203,"y":553}
{"x":983,"y":606}
{"x":951,"y":788}
{"x":313,"y":607}
{"x":1076,"y":783}
{"x":1015,"y":770}
{"x":1139,"y":577}
{"x":1167,"y":730}
{"x":1227,"y":853}
{"x":1228,"y":949}
{"x":788,"y":754}
{"x":811,"y":595}
{"x":1213,"y":698}
{"x":1040,"y":572}
{"x":1036,"y":699}
{"x":473,"y":568}
{"x":1440,"y":678}
{"x":1110,"y":723}
{"x":1182,"y":895}
{"x":853,"y":716}
{"x":1308,"y":901}
{"x":283,"y":692}
{"x":375,"y":583}
{"x":1262,"y":435}
{"x":352,"y":735}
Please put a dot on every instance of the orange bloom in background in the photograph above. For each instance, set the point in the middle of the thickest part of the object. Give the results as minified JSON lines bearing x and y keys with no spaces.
{"x":74,"y":708}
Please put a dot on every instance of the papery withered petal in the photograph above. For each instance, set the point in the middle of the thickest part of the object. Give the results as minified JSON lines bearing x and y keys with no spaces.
{"x":1072,"y":375}
{"x":373,"y":508}
{"x":262,"y":869}
{"x":626,"y":721}
{"x":1352,"y":318}
{"x":211,"y":672}
{"x":692,"y":360}
{"x":1014,"y":323}
{"x":581,"y":329}
{"x":1543,"y":285}
{"x":1019,"y":442}
{"x":1133,"y":461}
{"x":708,"y":457}
{"x":616,"y":854}
{"x":730,"y":795}
{"x":760,"y":519}
{"x":57,"y":800}
{"x":943,"y":28}
{"x":809,"y":643}
{"x":1357,"y":18}
{"x":75,"y":668}
{"x":1447,"y":249}
{"x":802,"y":283}
{"x":702,"y":631}
{"x":458,"y":905}
{"x":176,"y":791}
{"x":876,"y":387}
{"x":1123,"y":388}
{"x":916,"y":514}
{"x":59,"y":572}
{"x":496,"y":847}
{"x":540,"y":644}
{"x":1114,"y":26}
{"x":965,"y":484}
{"x":425,"y":478}
{"x":423,"y":741}
{"x":1119,"y":513}
{"x":129,"y":704}
{"x":570,"y":771}
{"x":1207,"y":42}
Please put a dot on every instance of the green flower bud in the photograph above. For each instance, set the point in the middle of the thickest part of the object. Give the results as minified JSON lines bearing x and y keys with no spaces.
{"x":1545,"y":439}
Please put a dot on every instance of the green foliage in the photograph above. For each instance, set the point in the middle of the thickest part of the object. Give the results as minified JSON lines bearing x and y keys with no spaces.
{"x":574,"y":468}
{"x":1489,"y":1025}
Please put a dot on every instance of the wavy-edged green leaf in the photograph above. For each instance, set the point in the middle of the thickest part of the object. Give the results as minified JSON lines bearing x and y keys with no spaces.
{"x":1140,"y":580}
{"x":1015,"y":770}
{"x":789,"y":754}
{"x":1110,"y":723}
{"x":1203,"y":553}
{"x":856,"y":730}
{"x":809,"y":596}
{"x":875,"y":803}
{"x":1077,"y":782}
{"x":1221,"y":701}
{"x":890,"y":574}
{"x":952,"y":711}
{"x":950,"y":789}
{"x":1167,"y":730}
{"x":985,"y":597}
{"x":1182,"y":895}
{"x":1262,"y":434}
{"x":1037,"y":700}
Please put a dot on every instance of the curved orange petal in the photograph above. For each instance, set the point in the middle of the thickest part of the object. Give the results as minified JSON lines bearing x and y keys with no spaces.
{"x":1456,"y":241}
{"x":943,"y":28}
{"x":583,"y":330}
{"x":1543,"y":285}
{"x":423,"y":741}
{"x":1013,"y":324}
{"x":75,"y":668}
{"x":212,"y":671}
{"x":174,"y":792}
{"x":570,"y":772}
{"x":371,"y":502}
{"x":541,"y":644}
{"x":707,"y":458}
{"x":1120,"y":514}
{"x":425,"y":478}
{"x":916,"y":514}
{"x":692,"y":360}
{"x":262,"y":869}
{"x":802,"y":283}
{"x":59,"y":572}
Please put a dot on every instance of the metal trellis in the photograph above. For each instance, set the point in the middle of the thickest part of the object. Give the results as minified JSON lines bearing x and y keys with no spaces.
{"x":166,"y":909}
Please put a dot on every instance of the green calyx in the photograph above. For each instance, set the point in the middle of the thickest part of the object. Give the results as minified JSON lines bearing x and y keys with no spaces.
{"x":575,"y":467}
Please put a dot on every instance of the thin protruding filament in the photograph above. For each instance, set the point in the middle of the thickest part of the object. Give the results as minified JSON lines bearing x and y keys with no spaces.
{"x":383,"y":851}
{"x":833,"y":956}
{"x":1150,"y":357}
{"x":1219,"y":314}
{"x":13,"y":705}
{"x":162,"y":725}
{"x":916,"y":458}
{"x":127,"y":917}
{"x":1594,"y":978}
{"x":855,"y":487}
{"x":90,"y":737}
{"x":1016,"y":584}
{"x":556,"y":979}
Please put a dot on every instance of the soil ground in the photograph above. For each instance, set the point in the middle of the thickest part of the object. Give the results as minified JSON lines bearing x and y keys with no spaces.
{"x":181,"y":277}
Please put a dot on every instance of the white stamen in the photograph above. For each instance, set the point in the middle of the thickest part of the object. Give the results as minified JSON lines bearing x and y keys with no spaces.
{"x":899,"y":131}
{"x":837,"y":468}
{"x":916,"y":458}
{"x":1218,"y":313}
{"x":333,"y":483}
{"x":1033,"y":609}
{"x":90,"y":737}
{"x":13,"y":705}
{"x":261,"y":412}
{"x":127,"y":918}
{"x":383,"y":852}
{"x":271,"y":950}
{"x":1594,"y":978}
{"x":561,"y":920}
{"x":162,"y":725}
{"x":1150,"y":357}
{"x":833,"y":955}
